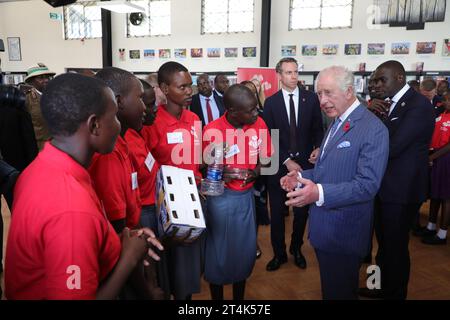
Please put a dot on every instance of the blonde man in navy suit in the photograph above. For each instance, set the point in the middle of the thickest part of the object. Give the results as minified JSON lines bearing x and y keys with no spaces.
{"x":342,"y":186}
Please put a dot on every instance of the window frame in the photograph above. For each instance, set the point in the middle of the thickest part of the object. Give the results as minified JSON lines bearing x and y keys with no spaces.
{"x":127,"y":21}
{"x":65,"y":20}
{"x":202,"y":27}
{"x":320,"y":27}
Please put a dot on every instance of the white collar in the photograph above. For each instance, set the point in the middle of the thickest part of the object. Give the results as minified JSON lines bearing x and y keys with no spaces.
{"x":287,"y":93}
{"x":352,"y":108}
{"x":220,"y":95}
{"x":205,"y":97}
{"x":400,"y":94}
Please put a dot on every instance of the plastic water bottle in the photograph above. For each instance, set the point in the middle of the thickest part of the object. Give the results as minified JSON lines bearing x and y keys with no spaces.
{"x":213,"y":184}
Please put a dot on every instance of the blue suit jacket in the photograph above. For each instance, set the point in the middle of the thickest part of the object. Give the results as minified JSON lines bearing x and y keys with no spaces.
{"x":309,"y":127}
{"x":196,"y":106}
{"x":411,"y":126}
{"x":350,"y":172}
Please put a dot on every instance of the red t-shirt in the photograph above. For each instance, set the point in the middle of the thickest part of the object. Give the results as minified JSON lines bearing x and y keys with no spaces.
{"x":175,"y":142}
{"x":60,"y":244}
{"x":441,"y":134}
{"x":115,"y":181}
{"x":244,"y":146}
{"x":146,"y":165}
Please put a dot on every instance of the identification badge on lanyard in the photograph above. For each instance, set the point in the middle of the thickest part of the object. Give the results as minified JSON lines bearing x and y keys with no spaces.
{"x":150,"y":161}
{"x":174,"y":137}
{"x":234,"y":149}
{"x":134,"y":181}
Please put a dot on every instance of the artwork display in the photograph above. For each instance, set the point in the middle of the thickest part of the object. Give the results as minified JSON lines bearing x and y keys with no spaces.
{"x":426,"y":47}
{"x":330,"y":49}
{"x":249,"y":52}
{"x":375,"y":48}
{"x":400,"y":48}
{"x":197,"y":52}
{"x":352,"y":49}
{"x":180,"y":53}
{"x":288,"y":51}
{"x":164,"y":53}
{"x":309,"y":50}
{"x":149,"y":54}
{"x":231,"y":52}
{"x":213,"y":52}
{"x":135,"y":54}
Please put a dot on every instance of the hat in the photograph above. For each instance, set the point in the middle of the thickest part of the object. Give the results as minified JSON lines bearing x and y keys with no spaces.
{"x":38,"y":70}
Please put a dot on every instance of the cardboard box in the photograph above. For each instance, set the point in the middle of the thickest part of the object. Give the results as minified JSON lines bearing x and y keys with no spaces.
{"x":178,"y":203}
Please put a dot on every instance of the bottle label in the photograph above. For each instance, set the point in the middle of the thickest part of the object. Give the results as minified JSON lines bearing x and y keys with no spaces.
{"x":214,"y":174}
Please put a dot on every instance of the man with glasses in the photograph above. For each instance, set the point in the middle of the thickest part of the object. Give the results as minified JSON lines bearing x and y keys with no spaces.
{"x":37,"y":79}
{"x":296,"y":114}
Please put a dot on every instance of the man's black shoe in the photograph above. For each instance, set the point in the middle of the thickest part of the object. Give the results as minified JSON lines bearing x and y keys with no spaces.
{"x":370,"y":293}
{"x":299,"y":260}
{"x":275,"y":263}
{"x":434,"y":240}
{"x":424,"y":232}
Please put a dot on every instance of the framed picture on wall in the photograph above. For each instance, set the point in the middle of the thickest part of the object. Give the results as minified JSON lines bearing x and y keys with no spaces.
{"x":14,"y":53}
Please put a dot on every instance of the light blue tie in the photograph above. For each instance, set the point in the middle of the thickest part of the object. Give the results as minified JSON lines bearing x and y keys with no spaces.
{"x":332,"y":132}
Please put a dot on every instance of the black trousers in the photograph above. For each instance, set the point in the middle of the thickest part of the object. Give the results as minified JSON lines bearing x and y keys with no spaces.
{"x":339,"y":275}
{"x":277,"y":198}
{"x":392,"y":226}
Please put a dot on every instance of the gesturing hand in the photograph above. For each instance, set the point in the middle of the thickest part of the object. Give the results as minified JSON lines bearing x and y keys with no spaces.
{"x":309,"y":193}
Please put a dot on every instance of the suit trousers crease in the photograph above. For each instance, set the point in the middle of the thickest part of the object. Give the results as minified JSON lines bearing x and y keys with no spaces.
{"x":392,"y":226}
{"x":277,"y":198}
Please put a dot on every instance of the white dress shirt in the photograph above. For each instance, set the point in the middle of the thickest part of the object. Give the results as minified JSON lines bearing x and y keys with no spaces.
{"x":214,"y":108}
{"x":397,"y":97}
{"x":295,"y":97}
{"x":342,"y":117}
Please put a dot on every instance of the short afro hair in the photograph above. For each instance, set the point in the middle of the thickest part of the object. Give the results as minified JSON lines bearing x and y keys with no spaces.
{"x":166,"y":71}
{"x":117,"y":79}
{"x":145,"y":84}
{"x":69,"y":100}
{"x":238,"y":94}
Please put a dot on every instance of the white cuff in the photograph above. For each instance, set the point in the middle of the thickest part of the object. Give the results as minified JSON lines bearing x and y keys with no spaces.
{"x":321,"y":200}
{"x":284,"y":162}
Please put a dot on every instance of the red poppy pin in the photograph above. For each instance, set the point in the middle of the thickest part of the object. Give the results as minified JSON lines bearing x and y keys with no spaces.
{"x":346,"y":126}
{"x":439,"y":104}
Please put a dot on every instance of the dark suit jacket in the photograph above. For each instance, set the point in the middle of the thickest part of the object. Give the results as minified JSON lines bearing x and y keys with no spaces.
{"x":309,"y":127}
{"x":410,"y":126}
{"x":196,"y":106}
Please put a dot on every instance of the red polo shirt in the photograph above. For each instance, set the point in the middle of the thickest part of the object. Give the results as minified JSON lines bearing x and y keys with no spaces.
{"x":60,"y":244}
{"x":441,"y":134}
{"x":115,"y":181}
{"x":146,"y":165}
{"x":244,"y":146}
{"x":175,"y":142}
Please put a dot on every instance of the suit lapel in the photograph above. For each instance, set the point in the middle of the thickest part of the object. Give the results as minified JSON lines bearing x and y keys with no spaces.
{"x":283,"y":112}
{"x":343,"y":130}
{"x":401,"y":104}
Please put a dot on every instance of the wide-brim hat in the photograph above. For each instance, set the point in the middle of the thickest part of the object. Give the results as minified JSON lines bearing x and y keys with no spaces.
{"x":38,"y":70}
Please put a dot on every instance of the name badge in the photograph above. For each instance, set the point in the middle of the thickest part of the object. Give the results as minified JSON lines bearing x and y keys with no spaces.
{"x":234,"y":149}
{"x":134,"y":181}
{"x":150,"y":161}
{"x":174,"y":137}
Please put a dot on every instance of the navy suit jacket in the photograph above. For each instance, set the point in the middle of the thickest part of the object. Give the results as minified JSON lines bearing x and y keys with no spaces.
{"x":309,"y":128}
{"x":350,"y":172}
{"x":411,"y":126}
{"x":196,"y":106}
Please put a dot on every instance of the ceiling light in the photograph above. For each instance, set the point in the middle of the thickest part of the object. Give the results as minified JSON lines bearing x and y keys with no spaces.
{"x":120,"y":6}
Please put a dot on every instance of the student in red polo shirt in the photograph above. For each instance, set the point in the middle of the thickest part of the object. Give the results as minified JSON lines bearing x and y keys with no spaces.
{"x":114,"y":175}
{"x":60,"y":244}
{"x":231,"y":238}
{"x":174,"y":139}
{"x":147,"y":169}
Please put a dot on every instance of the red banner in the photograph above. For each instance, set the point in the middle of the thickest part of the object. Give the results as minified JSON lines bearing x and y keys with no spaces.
{"x":266,"y":76}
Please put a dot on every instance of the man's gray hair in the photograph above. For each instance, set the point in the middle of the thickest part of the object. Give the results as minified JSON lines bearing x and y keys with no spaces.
{"x":343,"y":77}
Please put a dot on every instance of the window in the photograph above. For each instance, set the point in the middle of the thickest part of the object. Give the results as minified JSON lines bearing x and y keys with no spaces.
{"x":156,"y":21}
{"x":320,"y":14}
{"x":82,"y":20}
{"x":227,"y":16}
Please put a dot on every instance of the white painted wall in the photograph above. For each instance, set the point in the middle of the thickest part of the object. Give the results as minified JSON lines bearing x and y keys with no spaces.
{"x":186,"y":27}
{"x":359,"y":33}
{"x":42,"y":39}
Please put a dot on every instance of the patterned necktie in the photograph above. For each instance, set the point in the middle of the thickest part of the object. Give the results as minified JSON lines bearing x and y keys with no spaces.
{"x":332,"y":131}
{"x":209,"y":111}
{"x":292,"y":126}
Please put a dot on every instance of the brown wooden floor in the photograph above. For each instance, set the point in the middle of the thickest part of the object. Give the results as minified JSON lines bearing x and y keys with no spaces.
{"x":430,"y":271}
